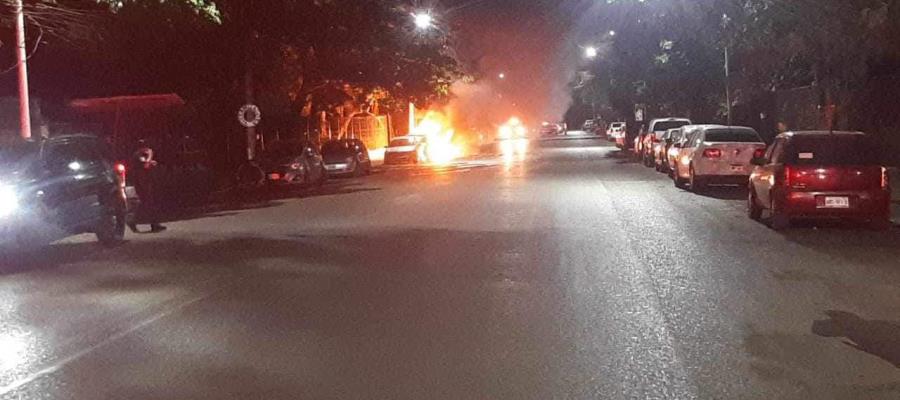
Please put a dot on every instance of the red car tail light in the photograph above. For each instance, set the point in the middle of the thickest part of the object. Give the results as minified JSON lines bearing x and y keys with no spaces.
{"x":885,"y":178}
{"x":120,"y":171}
{"x":712,"y":153}
{"x":759,"y":153}
{"x":787,"y":177}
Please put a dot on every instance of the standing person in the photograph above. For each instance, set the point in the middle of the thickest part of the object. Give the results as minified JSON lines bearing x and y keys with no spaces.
{"x":144,"y":170}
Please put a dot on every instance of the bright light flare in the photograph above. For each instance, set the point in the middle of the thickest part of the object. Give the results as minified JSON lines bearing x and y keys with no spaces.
{"x":590,"y":52}
{"x":423,"y":20}
{"x":439,"y":148}
{"x":9,"y":201}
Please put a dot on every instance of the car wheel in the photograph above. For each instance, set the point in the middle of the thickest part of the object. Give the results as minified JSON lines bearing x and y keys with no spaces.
{"x":779,"y":220}
{"x":754,"y":211}
{"x":697,"y":184}
{"x":111,"y":228}
{"x":680,"y":182}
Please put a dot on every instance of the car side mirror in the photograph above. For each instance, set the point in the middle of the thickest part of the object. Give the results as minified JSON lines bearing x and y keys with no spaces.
{"x":760,"y":161}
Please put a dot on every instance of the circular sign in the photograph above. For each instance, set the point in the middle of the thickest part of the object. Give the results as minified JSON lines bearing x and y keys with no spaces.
{"x":249,"y":115}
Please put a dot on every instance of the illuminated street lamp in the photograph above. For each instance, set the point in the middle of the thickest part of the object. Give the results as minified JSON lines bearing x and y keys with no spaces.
{"x":612,"y":33}
{"x":590,"y":52}
{"x":502,"y":75}
{"x":423,"y":20}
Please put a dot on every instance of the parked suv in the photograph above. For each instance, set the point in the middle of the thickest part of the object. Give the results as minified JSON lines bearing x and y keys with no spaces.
{"x":720,"y":155}
{"x":58,"y":187}
{"x":654,"y":134}
{"x":820,"y":175}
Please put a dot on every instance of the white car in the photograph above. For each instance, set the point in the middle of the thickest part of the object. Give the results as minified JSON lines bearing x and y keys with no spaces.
{"x":405,"y":150}
{"x":718,"y":155}
{"x":615,"y":132}
{"x":654,"y":134}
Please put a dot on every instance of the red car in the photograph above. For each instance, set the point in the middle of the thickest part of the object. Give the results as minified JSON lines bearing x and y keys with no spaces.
{"x":833,"y":175}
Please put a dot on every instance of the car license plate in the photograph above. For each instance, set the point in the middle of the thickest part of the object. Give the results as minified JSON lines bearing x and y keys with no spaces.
{"x":836,"y":202}
{"x":737,"y":168}
{"x":274,"y":177}
{"x":331,"y":167}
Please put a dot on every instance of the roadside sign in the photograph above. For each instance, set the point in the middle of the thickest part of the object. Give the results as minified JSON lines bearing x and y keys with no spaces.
{"x":639,"y":112}
{"x":249,"y":115}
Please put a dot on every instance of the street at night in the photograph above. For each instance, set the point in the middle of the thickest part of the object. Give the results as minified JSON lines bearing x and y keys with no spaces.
{"x":570,"y":273}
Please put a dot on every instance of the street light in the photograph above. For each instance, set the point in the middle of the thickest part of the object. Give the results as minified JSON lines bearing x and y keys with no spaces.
{"x":502,"y":75}
{"x":590,"y":52}
{"x":612,"y":33}
{"x":423,"y":20}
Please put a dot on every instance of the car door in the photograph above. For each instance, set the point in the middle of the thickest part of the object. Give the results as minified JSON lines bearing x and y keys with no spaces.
{"x":77,"y":176}
{"x":764,"y":176}
{"x":314,"y":163}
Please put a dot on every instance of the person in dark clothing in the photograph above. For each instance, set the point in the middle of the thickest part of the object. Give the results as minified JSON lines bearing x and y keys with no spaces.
{"x":143,"y":170}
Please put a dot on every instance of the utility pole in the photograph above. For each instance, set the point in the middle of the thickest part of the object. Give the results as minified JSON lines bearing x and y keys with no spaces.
{"x":22,"y":58}
{"x":725,"y":21}
{"x":727,"y":87}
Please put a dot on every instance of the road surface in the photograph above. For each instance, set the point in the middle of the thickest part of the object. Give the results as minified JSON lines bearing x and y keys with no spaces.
{"x":569,"y":274}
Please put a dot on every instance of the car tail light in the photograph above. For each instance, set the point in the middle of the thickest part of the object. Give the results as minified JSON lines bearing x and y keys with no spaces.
{"x":787,"y":176}
{"x":120,"y":171}
{"x":712,"y":153}
{"x":885,"y":178}
{"x":759,"y":153}
{"x":655,"y":139}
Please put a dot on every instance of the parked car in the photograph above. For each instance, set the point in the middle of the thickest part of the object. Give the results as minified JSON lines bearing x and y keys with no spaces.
{"x":820,"y":175}
{"x":616,"y":133}
{"x":654,"y":134}
{"x":660,"y":149}
{"x":678,"y":146}
{"x":58,"y":187}
{"x":588,"y":126}
{"x":552,"y":129}
{"x":293,"y":163}
{"x":346,"y":157}
{"x":405,"y":150}
{"x":719,"y":155}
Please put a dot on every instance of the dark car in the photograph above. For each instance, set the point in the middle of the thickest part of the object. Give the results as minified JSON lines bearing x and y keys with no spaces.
{"x":346,"y":157}
{"x":821,"y":175}
{"x":293,"y":163}
{"x":58,"y":187}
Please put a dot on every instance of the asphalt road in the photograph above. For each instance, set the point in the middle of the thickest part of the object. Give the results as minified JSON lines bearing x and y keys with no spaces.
{"x":570,"y":274}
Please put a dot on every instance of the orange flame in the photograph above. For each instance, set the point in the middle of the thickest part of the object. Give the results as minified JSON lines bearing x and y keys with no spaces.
{"x":440,"y":148}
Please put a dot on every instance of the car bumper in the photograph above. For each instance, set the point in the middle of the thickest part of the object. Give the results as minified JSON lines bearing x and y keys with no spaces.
{"x":400,"y":158}
{"x":283,"y":178}
{"x":339,"y":169}
{"x":862,"y":204}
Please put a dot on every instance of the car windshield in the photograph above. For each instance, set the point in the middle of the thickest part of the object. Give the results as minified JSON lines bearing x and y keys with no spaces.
{"x":336,"y":147}
{"x":833,"y":150}
{"x":666,"y":125}
{"x":732,"y":136}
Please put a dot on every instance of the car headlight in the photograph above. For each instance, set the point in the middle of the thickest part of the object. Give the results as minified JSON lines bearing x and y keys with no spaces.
{"x":9,"y":201}
{"x":295,"y":166}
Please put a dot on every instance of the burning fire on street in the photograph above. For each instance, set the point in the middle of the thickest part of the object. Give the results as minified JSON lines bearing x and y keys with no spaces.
{"x":442,"y":145}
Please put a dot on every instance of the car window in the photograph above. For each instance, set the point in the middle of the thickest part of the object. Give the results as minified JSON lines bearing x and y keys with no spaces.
{"x":832,"y":150}
{"x":732,"y":136}
{"x":666,"y":125}
{"x":696,"y":139}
